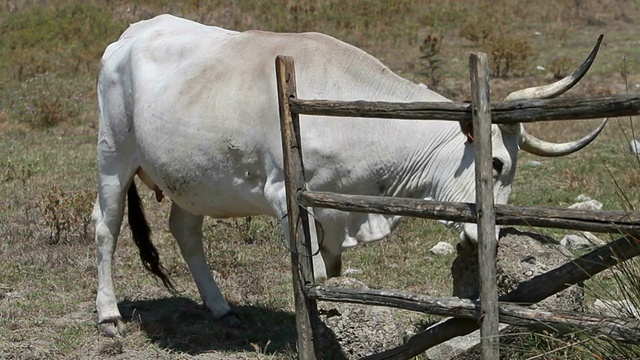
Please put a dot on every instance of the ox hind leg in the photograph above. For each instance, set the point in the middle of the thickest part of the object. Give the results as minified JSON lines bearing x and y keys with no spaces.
{"x":107,"y":216}
{"x":187,"y":229}
{"x":115,"y":186}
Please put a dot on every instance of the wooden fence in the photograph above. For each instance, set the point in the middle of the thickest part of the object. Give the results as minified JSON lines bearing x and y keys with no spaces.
{"x":467,"y":313}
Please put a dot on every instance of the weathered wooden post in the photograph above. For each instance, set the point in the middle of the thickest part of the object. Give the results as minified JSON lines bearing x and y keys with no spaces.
{"x":301,"y":267}
{"x":487,"y":244}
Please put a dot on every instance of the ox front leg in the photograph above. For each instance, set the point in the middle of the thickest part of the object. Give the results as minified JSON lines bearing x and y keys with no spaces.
{"x":320,"y":271}
{"x":319,"y":268}
{"x":187,"y":229}
{"x":330,"y":240}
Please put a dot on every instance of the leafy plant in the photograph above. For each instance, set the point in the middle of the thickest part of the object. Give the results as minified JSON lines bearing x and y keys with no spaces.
{"x":508,"y":54}
{"x":488,"y":29}
{"x":431,"y":62}
{"x":17,"y":171}
{"x":66,"y":215}
{"x":561,"y":66}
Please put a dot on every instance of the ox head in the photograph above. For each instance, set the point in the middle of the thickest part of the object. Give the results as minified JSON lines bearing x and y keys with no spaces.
{"x":506,"y":141}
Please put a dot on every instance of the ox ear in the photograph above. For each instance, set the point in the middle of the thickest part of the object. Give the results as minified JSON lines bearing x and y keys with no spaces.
{"x":511,"y":128}
{"x":467,"y":129}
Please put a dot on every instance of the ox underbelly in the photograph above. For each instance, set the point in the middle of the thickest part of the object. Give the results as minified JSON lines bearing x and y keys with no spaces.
{"x":215,"y":196}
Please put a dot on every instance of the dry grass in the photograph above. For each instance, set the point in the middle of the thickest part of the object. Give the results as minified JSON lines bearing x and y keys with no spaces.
{"x":47,"y":147}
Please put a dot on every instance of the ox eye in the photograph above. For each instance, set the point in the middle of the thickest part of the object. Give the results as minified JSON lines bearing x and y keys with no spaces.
{"x":497,"y":166}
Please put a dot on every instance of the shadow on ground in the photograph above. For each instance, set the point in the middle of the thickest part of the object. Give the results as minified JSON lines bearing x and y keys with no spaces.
{"x":182,"y":325}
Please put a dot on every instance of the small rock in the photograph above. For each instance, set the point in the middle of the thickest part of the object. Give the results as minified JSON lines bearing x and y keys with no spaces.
{"x":408,"y":334}
{"x":623,"y":308}
{"x":529,"y":259}
{"x":351,"y":271}
{"x":442,"y":248}
{"x":593,"y":239}
{"x":587,"y":205}
{"x":580,"y":241}
{"x":540,"y":68}
{"x":634,"y":146}
{"x":582,"y":198}
{"x":342,"y":281}
{"x":461,"y":347}
{"x":534,"y":163}
{"x":12,"y":295}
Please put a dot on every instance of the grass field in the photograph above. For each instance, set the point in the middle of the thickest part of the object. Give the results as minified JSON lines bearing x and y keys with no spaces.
{"x":49,"y":54}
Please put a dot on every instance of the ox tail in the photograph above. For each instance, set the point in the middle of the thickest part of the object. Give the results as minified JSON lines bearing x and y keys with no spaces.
{"x":141,"y":234}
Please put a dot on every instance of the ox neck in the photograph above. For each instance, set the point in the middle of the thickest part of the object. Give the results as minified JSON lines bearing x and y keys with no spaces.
{"x":431,"y":161}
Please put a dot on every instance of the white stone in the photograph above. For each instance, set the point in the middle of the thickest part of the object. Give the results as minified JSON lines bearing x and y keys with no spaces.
{"x":579,"y":241}
{"x":12,"y":295}
{"x":582,"y":197}
{"x":451,"y":349}
{"x":623,"y":308}
{"x":534,"y":163}
{"x":587,"y":205}
{"x":351,"y":271}
{"x":592,"y":238}
{"x":634,"y":146}
{"x":442,"y":248}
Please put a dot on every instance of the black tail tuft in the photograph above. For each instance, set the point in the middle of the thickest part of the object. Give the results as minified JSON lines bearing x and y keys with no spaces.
{"x":142,"y":237}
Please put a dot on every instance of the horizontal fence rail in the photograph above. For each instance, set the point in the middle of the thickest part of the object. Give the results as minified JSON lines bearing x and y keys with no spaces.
{"x":501,"y":113}
{"x":584,"y":220}
{"x":562,"y":322}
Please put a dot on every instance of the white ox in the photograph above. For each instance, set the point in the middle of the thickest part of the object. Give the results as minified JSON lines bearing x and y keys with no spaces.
{"x":193,"y":111}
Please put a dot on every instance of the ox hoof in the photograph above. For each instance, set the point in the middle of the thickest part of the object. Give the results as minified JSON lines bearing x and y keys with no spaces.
{"x":320,"y":279}
{"x":467,"y":247}
{"x":113,"y":328}
{"x":231,"y":321}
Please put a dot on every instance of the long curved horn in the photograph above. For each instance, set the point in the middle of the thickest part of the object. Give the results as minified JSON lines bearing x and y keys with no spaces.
{"x":559,"y":87}
{"x":533,"y":145}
